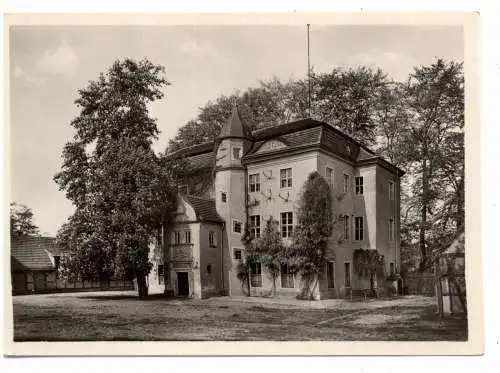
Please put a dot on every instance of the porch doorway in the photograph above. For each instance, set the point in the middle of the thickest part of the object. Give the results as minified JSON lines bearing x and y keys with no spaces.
{"x":183,"y":284}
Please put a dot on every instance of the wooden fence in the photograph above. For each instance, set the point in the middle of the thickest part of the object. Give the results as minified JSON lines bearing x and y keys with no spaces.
{"x":47,"y":282}
{"x":420,"y":284}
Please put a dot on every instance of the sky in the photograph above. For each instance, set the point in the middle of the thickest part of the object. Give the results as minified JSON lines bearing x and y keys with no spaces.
{"x":48,"y":64}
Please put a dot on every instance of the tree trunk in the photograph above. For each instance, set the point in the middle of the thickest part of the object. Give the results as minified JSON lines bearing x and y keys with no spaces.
{"x":423,"y":218}
{"x":274,"y":286}
{"x":372,"y":284}
{"x":142,"y":287}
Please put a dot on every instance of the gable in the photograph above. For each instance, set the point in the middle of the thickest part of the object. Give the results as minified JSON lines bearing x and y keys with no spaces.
{"x":270,"y":146}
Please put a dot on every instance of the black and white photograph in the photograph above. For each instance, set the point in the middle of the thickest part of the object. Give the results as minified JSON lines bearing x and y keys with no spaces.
{"x":240,"y":181}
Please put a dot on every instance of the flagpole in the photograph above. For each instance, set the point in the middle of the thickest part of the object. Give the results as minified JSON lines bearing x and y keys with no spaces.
{"x":308,"y":71}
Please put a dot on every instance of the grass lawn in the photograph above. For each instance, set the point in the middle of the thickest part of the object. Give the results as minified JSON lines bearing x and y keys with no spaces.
{"x":121,"y":317}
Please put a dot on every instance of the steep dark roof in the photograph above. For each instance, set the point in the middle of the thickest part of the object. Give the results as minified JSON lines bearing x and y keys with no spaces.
{"x":193,"y":150}
{"x":32,"y":253}
{"x":204,"y":208}
{"x":234,"y":126}
{"x":297,"y":134}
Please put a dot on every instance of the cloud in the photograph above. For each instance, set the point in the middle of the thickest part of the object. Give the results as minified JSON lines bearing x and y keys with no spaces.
{"x":23,"y":76}
{"x":61,"y":61}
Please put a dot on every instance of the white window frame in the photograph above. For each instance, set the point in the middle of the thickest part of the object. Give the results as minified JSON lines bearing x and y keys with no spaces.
{"x":359,"y":189}
{"x":255,"y":229}
{"x":350,"y":275}
{"x":330,"y":178}
{"x":361,"y":229}
{"x":288,"y":178}
{"x":392,"y":191}
{"x":289,"y":228}
{"x":255,"y":183}
{"x":346,"y":186}
{"x":235,"y":221}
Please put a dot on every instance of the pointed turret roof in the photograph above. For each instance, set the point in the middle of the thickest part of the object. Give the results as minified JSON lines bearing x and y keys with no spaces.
{"x":234,"y":126}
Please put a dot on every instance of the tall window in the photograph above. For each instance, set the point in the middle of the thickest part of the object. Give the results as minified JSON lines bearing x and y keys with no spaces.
{"x":211,"y":238}
{"x":391,"y":268}
{"x":359,"y":185}
{"x":391,"y":191}
{"x":391,"y":229}
{"x":255,"y":226}
{"x":347,"y":274}
{"x":161,"y":274}
{"x":330,"y":274}
{"x":286,"y":177}
{"x":254,"y":181}
{"x":177,"y":238}
{"x":329,"y":176}
{"x":346,"y":183}
{"x":286,"y":277}
{"x":187,"y":237}
{"x":346,"y":227}
{"x":236,"y":153}
{"x":358,"y":231}
{"x":286,"y":224}
{"x":255,"y":275}
{"x":223,"y":197}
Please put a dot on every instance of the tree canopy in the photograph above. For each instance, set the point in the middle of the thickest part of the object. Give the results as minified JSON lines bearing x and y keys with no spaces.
{"x":21,"y":221}
{"x":121,"y":190}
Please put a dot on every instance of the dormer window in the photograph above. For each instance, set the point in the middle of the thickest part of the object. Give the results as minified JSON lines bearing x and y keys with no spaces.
{"x":237,"y":153}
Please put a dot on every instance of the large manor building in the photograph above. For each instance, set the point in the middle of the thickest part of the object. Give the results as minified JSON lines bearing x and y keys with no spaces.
{"x":248,"y":177}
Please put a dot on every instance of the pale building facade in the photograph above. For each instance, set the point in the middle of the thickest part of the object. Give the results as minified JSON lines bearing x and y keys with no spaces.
{"x":251,"y":177}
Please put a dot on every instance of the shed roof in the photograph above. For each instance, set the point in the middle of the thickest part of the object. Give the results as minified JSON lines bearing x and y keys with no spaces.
{"x":32,"y":253}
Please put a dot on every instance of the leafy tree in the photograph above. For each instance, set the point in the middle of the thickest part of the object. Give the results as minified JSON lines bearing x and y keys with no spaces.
{"x":350,"y":100}
{"x":21,"y":221}
{"x":121,"y":190}
{"x":271,"y":103}
{"x":272,"y":250}
{"x":369,"y":263}
{"x":314,"y":227}
{"x":433,"y":148}
{"x":251,"y":254}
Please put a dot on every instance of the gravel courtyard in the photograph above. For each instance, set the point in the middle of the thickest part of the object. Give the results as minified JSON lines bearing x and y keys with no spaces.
{"x":121,"y":316}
